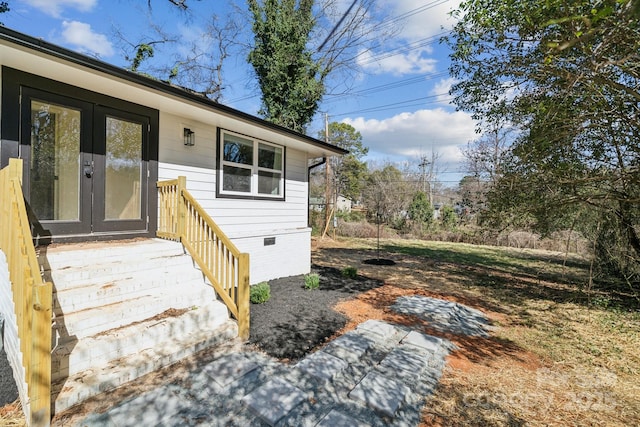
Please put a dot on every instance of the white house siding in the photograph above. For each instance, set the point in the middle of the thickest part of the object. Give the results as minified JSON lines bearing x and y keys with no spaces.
{"x":246,"y":222}
{"x":10,"y":334}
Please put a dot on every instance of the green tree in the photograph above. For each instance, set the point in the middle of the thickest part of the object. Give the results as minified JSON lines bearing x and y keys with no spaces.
{"x":290,"y":80}
{"x":4,"y":7}
{"x":303,"y":49}
{"x":420,"y":210}
{"x":448,"y":217}
{"x":347,"y":172}
{"x":566,"y":75}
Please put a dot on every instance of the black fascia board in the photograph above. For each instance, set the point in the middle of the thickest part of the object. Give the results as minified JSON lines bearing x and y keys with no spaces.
{"x":106,"y":68}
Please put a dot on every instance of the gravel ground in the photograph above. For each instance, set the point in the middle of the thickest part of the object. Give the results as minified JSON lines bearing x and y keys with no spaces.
{"x":296,"y":320}
{"x":8,"y":390}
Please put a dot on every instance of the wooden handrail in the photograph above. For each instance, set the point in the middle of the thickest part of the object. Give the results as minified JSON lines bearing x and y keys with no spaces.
{"x":32,"y":297}
{"x":182,"y":218}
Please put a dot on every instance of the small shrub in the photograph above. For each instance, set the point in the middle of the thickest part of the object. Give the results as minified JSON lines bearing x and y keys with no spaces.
{"x":312,"y":281}
{"x":260,"y":293}
{"x":352,"y":216}
{"x":350,"y":272}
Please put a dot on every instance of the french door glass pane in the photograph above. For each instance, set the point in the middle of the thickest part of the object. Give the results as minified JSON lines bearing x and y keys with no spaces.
{"x":55,"y":162}
{"x":123,"y":169}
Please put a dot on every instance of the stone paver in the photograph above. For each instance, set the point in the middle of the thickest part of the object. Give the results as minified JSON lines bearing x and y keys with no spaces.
{"x":159,"y":407}
{"x":405,"y":362}
{"x":445,"y":315}
{"x":338,"y":419}
{"x":380,"y":393}
{"x":377,"y":375}
{"x":274,"y":400}
{"x":229,"y":368}
{"x":382,"y":329}
{"x":349,"y":347}
{"x":424,"y":342}
{"x":323,"y":366}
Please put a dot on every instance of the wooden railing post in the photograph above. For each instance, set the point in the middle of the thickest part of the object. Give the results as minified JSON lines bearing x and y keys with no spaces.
{"x":181,"y":206}
{"x":40,"y":384}
{"x":243,"y":296}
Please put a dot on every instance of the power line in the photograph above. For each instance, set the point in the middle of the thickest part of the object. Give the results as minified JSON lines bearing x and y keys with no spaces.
{"x":403,"y":49}
{"x":387,"y":86}
{"x":407,"y":103}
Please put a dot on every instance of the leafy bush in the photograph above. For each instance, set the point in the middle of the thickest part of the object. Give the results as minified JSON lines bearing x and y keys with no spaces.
{"x":449,"y":217}
{"x":350,"y":272}
{"x":260,"y":293}
{"x":420,"y":209}
{"x":312,"y":281}
{"x":352,"y":216}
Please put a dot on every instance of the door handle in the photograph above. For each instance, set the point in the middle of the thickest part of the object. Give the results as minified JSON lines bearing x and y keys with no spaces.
{"x":88,"y":169}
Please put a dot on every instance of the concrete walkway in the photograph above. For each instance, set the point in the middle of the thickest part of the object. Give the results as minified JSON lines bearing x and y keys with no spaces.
{"x":377,"y":375}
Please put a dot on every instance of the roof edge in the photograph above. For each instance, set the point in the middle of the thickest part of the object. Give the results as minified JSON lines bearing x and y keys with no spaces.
{"x":59,"y":52}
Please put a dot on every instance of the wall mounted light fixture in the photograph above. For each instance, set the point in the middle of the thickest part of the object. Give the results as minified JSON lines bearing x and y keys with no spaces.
{"x":189,"y":137}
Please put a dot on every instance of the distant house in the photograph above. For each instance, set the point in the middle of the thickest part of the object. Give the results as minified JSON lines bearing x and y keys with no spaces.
{"x":96,"y":138}
{"x":437,"y":210}
{"x":317,"y":204}
{"x":343,"y":204}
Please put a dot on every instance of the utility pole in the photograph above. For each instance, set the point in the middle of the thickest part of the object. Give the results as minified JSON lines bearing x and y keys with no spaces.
{"x":423,"y":166}
{"x":327,"y":172}
{"x":433,"y":161}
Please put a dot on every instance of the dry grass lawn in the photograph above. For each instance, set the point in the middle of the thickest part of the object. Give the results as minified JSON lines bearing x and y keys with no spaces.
{"x":560,"y":355}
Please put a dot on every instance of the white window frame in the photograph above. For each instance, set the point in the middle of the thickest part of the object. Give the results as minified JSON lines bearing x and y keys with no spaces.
{"x":255,"y":169}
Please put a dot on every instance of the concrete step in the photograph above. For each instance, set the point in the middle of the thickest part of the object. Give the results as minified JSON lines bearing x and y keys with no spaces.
{"x":135,"y":284}
{"x":91,"y":321}
{"x":72,"y":255}
{"x":123,"y":309}
{"x":91,"y":382}
{"x":97,"y":271}
{"x":73,"y":357}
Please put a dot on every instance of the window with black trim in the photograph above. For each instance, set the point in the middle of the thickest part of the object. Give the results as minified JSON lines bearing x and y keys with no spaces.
{"x":250,"y":167}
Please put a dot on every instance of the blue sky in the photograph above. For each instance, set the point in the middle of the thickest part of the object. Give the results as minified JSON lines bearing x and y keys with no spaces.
{"x":398,"y":99}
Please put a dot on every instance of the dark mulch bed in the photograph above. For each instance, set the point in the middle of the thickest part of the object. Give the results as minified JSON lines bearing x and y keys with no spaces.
{"x":295,"y":320}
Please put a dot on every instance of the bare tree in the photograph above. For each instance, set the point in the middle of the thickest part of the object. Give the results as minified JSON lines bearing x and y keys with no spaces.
{"x":196,"y":64}
{"x":338,"y":47}
{"x":201,"y":68}
{"x":485,"y":155}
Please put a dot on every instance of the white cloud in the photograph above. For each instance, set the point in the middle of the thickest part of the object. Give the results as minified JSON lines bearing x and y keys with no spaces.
{"x":409,"y":135}
{"x":413,"y":62}
{"x":81,"y":36}
{"x":417,"y":26}
{"x":55,"y":7}
{"x":442,"y":88}
{"x":421,"y":18}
